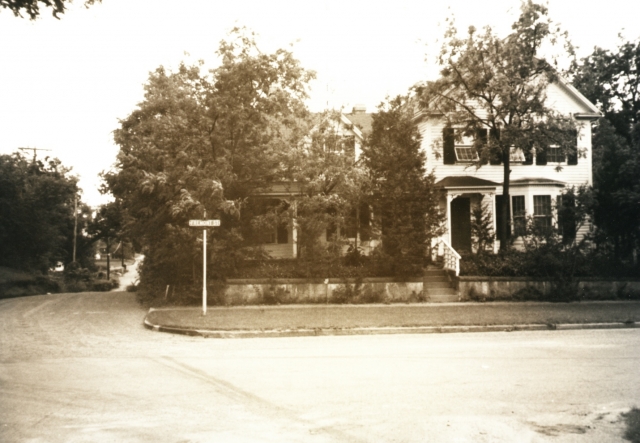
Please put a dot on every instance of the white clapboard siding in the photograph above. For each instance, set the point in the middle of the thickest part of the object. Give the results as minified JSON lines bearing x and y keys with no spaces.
{"x":572,"y":175}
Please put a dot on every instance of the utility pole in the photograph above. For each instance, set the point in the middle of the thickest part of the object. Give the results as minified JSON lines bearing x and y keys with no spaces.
{"x":75,"y":223}
{"x":34,"y":152}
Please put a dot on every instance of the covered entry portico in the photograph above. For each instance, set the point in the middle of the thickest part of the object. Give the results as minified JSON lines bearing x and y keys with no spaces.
{"x":459,"y":195}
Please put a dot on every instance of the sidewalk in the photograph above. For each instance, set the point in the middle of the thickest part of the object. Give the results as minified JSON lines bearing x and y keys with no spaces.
{"x":131,"y":276}
{"x":307,"y":320}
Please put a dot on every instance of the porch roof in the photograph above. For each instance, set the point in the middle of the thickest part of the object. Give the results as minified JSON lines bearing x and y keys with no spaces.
{"x":466,"y":182}
{"x":536,"y":182}
{"x":279,"y":189}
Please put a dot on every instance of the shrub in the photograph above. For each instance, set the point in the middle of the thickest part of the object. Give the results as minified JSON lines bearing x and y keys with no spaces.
{"x":632,"y":421}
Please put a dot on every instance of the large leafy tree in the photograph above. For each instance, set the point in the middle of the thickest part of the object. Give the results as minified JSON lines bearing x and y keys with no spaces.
{"x":611,"y":79}
{"x":494,"y":90}
{"x":330,"y":183}
{"x":403,"y":195}
{"x":36,"y":212}
{"x":205,"y":142}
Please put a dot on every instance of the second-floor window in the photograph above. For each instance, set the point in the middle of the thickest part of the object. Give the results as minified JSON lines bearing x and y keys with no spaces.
{"x":463,"y":149}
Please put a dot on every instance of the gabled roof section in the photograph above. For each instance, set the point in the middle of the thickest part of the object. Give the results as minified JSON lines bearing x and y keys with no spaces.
{"x":362,"y":121}
{"x":592,"y":113}
{"x":346,"y":122}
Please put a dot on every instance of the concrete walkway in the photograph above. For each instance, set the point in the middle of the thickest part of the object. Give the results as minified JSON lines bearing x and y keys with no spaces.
{"x":131,"y":276}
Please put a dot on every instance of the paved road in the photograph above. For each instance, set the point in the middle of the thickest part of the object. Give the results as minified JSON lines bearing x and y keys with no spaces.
{"x":81,"y":368}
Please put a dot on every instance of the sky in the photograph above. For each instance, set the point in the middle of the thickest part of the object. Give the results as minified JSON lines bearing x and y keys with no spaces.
{"x":64,"y":84}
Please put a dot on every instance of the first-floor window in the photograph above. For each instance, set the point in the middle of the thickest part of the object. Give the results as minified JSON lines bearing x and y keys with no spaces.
{"x":519,"y":221}
{"x":542,"y":211}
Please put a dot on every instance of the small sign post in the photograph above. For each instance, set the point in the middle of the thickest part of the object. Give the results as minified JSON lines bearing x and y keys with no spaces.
{"x":204,"y":224}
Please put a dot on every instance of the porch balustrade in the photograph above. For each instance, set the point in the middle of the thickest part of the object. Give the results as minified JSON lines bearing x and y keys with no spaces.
{"x":451,"y":259}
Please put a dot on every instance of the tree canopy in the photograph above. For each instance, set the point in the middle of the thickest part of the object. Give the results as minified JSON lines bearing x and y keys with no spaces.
{"x":205,"y":141}
{"x":403,"y":196}
{"x":32,"y":7}
{"x":493,"y":89}
{"x":36,"y":212}
{"x":611,"y":80}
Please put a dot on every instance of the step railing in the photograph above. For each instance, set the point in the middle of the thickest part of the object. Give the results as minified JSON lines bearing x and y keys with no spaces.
{"x":451,"y":259}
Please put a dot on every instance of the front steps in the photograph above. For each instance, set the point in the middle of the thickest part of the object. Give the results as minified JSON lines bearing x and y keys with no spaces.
{"x":438,"y":287}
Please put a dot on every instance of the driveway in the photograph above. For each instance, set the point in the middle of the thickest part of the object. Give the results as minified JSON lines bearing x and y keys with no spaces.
{"x":81,"y":368}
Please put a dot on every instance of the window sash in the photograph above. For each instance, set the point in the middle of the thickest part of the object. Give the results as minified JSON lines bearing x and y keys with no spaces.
{"x":466,"y":153}
{"x":519,"y":221}
{"x":516,"y":155}
{"x":555,"y":155}
{"x":542,"y":211}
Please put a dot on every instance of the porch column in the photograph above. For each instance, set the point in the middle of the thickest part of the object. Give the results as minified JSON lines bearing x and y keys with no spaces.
{"x":294,"y":230}
{"x":449,"y":200}
{"x":495,"y":224}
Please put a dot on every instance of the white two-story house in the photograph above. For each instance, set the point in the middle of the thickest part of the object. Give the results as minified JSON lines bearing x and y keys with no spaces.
{"x":535,"y":181}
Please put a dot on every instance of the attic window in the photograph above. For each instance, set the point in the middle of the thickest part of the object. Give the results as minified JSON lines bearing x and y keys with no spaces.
{"x":465,"y":153}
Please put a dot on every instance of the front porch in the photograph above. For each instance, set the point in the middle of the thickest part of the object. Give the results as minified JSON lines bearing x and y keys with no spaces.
{"x":460,"y":194}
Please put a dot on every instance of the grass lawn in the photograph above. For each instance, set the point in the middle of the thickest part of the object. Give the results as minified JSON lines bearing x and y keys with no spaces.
{"x":372,"y":316}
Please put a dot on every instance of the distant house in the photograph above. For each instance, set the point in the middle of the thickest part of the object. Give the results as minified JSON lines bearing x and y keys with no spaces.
{"x":283,"y":241}
{"x":536,"y":181}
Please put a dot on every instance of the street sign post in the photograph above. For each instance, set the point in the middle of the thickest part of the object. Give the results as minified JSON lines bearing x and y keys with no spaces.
{"x":204,"y":224}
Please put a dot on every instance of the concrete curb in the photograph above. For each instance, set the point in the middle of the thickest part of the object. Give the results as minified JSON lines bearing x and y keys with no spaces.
{"x":380,"y":331}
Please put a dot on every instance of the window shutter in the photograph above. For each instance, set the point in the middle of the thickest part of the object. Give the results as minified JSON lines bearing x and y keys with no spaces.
{"x":541,"y":156}
{"x":365,"y":222}
{"x":496,"y":157}
{"x":449,"y":152}
{"x":481,"y":135}
{"x":499,"y":200}
{"x":528,"y":157}
{"x":282,"y":233}
{"x":572,"y":158}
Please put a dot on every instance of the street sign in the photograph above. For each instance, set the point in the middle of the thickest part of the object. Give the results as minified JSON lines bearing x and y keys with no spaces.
{"x":204,"y":223}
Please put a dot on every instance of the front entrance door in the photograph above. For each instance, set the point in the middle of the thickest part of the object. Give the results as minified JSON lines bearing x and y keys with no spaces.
{"x":461,"y":224}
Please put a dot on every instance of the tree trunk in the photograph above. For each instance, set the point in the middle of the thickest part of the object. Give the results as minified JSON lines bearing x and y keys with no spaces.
{"x":503,"y":235}
{"x":108,"y":262}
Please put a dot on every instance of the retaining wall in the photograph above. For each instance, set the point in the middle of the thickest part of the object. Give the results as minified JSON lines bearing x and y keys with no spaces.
{"x":380,"y":290}
{"x":504,"y":287}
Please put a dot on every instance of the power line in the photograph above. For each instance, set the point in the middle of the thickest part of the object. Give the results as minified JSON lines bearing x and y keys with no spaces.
{"x":34,"y":151}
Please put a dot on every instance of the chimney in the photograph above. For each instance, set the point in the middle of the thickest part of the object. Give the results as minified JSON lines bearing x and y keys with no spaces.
{"x":359,"y":109}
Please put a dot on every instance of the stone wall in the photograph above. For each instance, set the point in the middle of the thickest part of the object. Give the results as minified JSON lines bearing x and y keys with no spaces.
{"x":497,"y":288}
{"x":283,"y":291}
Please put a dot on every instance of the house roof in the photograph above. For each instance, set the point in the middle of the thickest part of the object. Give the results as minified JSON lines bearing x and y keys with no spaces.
{"x":362,"y":120}
{"x":463,"y":181}
{"x":592,"y":111}
{"x":278,"y":189}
